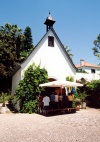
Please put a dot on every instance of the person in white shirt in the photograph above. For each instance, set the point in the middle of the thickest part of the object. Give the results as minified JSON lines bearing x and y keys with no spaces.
{"x":46,"y":101}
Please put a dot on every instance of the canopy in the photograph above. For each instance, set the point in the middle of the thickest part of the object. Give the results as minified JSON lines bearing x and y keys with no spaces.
{"x":60,"y":83}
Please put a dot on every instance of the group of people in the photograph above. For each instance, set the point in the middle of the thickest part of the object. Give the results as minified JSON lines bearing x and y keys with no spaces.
{"x":55,"y":101}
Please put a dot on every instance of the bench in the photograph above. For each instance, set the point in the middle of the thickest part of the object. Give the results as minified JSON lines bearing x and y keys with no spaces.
{"x":62,"y":110}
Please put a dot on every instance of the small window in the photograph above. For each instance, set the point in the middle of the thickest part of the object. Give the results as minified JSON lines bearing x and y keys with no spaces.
{"x":51,"y":41}
{"x":92,"y":70}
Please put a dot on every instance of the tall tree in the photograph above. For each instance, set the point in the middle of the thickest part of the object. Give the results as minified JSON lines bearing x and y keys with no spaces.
{"x":28,"y":43}
{"x":10,"y":45}
{"x":14,"y":47}
{"x":68,"y":51}
{"x":96,"y":49}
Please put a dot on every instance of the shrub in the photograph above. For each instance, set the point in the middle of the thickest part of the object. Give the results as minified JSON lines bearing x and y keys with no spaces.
{"x":30,"y":106}
{"x":93,"y":89}
{"x":28,"y":89}
{"x":4,"y":97}
{"x":70,"y":78}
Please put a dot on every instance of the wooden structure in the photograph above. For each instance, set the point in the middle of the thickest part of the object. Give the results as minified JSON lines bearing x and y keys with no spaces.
{"x":59,"y":111}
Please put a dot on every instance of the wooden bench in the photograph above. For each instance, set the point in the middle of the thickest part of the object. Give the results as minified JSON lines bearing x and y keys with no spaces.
{"x":62,"y":110}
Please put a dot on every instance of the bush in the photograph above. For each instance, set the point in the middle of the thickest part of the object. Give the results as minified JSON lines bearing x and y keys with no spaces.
{"x":4,"y":97}
{"x":30,"y":107}
{"x":93,"y":89}
{"x":28,"y":89}
{"x":70,"y":78}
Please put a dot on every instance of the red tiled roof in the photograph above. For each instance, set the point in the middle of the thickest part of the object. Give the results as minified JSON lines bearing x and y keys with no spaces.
{"x":86,"y":64}
{"x":77,"y":66}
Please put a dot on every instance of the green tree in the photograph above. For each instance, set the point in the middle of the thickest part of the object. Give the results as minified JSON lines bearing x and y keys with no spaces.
{"x":11,"y":38}
{"x":68,"y":51}
{"x":15,"y":46}
{"x":96,"y":49}
{"x":28,"y":88}
{"x":28,"y":43}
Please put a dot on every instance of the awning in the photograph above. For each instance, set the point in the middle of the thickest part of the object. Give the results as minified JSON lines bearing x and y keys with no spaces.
{"x":60,"y":83}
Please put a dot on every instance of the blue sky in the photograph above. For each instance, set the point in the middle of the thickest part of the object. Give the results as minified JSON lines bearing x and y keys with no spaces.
{"x":77,"y":22}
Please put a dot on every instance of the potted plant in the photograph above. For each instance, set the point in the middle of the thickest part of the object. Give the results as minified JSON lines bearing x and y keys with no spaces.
{"x":83,"y":96}
{"x":76,"y":101}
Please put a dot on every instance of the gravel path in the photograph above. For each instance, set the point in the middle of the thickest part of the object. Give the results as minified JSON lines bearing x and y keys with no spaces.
{"x":82,"y":126}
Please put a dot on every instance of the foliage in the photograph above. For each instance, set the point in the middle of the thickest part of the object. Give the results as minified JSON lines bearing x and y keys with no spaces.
{"x":70,"y":78}
{"x":92,"y":89}
{"x":76,"y":99}
{"x":10,"y":44}
{"x":28,"y":46}
{"x":13,"y":43}
{"x":28,"y":88}
{"x":3,"y":98}
{"x":30,"y":106}
{"x":68,"y":51}
{"x":11,"y":38}
{"x":96,"y":49}
{"x":79,"y":97}
{"x":94,"y":85}
{"x":82,"y":96}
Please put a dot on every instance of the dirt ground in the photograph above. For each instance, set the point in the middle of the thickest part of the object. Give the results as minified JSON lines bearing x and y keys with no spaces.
{"x":82,"y":126}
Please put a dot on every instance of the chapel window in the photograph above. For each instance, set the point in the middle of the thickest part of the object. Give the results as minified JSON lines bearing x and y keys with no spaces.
{"x":51,"y":41}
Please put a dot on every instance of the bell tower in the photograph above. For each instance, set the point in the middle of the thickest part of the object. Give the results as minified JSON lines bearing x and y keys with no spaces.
{"x":49,"y":22}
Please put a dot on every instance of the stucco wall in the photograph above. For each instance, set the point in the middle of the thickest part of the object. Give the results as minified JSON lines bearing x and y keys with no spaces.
{"x":15,"y":80}
{"x":88,"y":69}
{"x":52,"y":58}
{"x":88,"y":77}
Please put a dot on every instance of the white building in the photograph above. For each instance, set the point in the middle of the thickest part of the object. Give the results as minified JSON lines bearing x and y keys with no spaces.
{"x":92,"y":71}
{"x":51,"y":54}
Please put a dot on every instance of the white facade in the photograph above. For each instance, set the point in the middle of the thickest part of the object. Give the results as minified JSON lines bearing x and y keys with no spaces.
{"x":15,"y":80}
{"x":92,"y":71}
{"x":88,"y":69}
{"x":88,"y":77}
{"x":53,"y":59}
